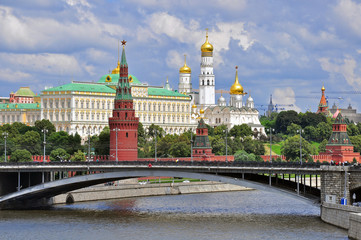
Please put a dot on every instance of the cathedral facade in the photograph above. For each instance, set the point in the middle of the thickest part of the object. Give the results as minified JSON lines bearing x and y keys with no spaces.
{"x":237,"y":112}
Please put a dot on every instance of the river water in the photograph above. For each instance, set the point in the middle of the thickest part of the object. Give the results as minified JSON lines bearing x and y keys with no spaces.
{"x":231,"y":215}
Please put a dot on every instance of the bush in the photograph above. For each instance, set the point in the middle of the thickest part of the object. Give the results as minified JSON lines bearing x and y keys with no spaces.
{"x":21,"y":156}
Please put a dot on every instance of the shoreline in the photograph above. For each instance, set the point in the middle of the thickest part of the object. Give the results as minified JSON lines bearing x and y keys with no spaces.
{"x":129,"y":188}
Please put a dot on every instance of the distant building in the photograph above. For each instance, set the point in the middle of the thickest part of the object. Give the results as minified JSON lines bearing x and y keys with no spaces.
{"x":236,"y":113}
{"x":323,"y":105}
{"x":271,"y":107}
{"x":349,"y":113}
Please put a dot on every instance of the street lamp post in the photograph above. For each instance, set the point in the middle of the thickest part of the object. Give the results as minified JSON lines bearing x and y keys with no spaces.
{"x":270,"y":144}
{"x":5,"y":134}
{"x":44,"y":131}
{"x":191,"y":145}
{"x":226,"y":131}
{"x":89,"y":145}
{"x":300,"y":131}
{"x":155,"y":145}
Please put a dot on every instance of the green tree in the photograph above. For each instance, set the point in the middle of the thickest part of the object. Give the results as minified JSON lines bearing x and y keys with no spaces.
{"x":311,"y":133}
{"x":311,"y":119}
{"x":218,"y":144}
{"x":324,"y":131}
{"x":45,"y":124}
{"x":322,"y":146}
{"x":286,"y":118}
{"x":180,"y":149}
{"x":141,"y":135}
{"x":291,"y":148}
{"x":21,"y":155}
{"x":75,"y":143}
{"x":292,"y":129}
{"x":102,"y":143}
{"x":356,"y":141}
{"x":78,"y":156}
{"x":220,"y":131}
{"x":152,"y":129}
{"x":30,"y":141}
{"x":163,"y":145}
{"x":242,"y":130}
{"x":352,"y":130}
{"x":58,"y":140}
{"x":59,"y":154}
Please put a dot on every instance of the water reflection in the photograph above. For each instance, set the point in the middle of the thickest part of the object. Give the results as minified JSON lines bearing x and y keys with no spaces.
{"x":235,"y":215}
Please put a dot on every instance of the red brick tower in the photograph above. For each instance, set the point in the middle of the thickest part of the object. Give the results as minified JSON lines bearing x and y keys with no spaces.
{"x":123,"y":125}
{"x":323,"y":106}
{"x":339,"y":145}
{"x":202,"y":147}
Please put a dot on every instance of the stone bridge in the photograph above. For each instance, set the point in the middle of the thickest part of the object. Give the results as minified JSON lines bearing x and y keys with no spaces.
{"x":32,"y":184}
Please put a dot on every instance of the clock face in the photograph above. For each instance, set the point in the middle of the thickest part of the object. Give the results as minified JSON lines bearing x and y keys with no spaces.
{"x":108,"y":79}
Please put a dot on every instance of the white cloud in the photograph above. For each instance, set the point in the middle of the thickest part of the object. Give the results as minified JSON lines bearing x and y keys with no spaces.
{"x":174,"y":59}
{"x":284,"y":98}
{"x":49,"y":34}
{"x":345,"y":67}
{"x":53,"y":64}
{"x":8,"y":75}
{"x":162,"y":23}
{"x":348,"y":12}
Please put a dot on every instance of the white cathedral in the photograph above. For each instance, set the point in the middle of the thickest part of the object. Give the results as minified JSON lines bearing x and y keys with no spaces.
{"x":235,"y":113}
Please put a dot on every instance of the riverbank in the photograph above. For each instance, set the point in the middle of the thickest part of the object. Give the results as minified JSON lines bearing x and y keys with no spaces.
{"x":131,"y":188}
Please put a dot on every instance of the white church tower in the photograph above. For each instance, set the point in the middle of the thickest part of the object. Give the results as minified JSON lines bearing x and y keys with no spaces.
{"x":206,"y":77}
{"x":185,"y":84}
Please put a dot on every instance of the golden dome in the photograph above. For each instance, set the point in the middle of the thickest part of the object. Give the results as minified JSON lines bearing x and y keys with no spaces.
{"x":323,"y":88}
{"x":201,"y":111}
{"x":117,"y":69}
{"x":194,"y":106}
{"x":236,"y":88}
{"x":185,"y":68}
{"x":207,"y":47}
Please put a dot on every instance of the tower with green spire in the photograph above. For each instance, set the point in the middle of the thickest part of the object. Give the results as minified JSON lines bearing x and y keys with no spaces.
{"x":123,"y":124}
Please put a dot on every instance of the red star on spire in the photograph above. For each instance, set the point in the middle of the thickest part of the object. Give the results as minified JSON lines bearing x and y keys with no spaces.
{"x":236,"y":67}
{"x":124,"y":42}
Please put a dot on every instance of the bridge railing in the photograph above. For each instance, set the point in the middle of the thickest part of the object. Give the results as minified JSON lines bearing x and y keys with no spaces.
{"x":174,"y":163}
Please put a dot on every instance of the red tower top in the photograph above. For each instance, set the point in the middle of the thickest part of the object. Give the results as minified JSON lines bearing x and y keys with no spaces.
{"x":323,"y":106}
{"x":123,"y":124}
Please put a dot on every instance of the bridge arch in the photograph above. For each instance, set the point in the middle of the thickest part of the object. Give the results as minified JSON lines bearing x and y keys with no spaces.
{"x":43,"y":192}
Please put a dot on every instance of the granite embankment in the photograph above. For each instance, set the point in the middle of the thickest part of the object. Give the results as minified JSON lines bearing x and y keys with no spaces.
{"x":126,"y":189}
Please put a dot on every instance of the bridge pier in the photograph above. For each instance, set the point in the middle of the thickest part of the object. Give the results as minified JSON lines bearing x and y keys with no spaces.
{"x":335,"y":184}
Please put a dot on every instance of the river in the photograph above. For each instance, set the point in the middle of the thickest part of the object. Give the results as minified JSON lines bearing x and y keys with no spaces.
{"x":231,"y":215}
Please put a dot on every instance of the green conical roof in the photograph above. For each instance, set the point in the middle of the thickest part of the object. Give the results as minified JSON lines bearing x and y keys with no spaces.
{"x":123,"y":59}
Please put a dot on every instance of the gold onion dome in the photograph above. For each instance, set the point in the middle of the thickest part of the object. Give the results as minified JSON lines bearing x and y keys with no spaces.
{"x":236,"y":88}
{"x":207,"y":47}
{"x":201,"y":111}
{"x":323,"y":88}
{"x":117,"y":69}
{"x":185,"y":68}
{"x":194,"y":106}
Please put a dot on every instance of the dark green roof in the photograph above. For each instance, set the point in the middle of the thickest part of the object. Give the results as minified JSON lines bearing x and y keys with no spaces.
{"x":25,"y":92}
{"x":81,"y":87}
{"x":114,"y":78}
{"x":20,"y":106}
{"x":164,"y":92}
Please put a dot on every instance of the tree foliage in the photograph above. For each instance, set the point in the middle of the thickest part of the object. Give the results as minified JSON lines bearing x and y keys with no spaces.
{"x":59,"y":154}
{"x":21,"y":155}
{"x":291,"y":148}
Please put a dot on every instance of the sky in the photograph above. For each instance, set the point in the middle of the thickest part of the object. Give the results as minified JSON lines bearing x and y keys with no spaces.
{"x":287,"y":48}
